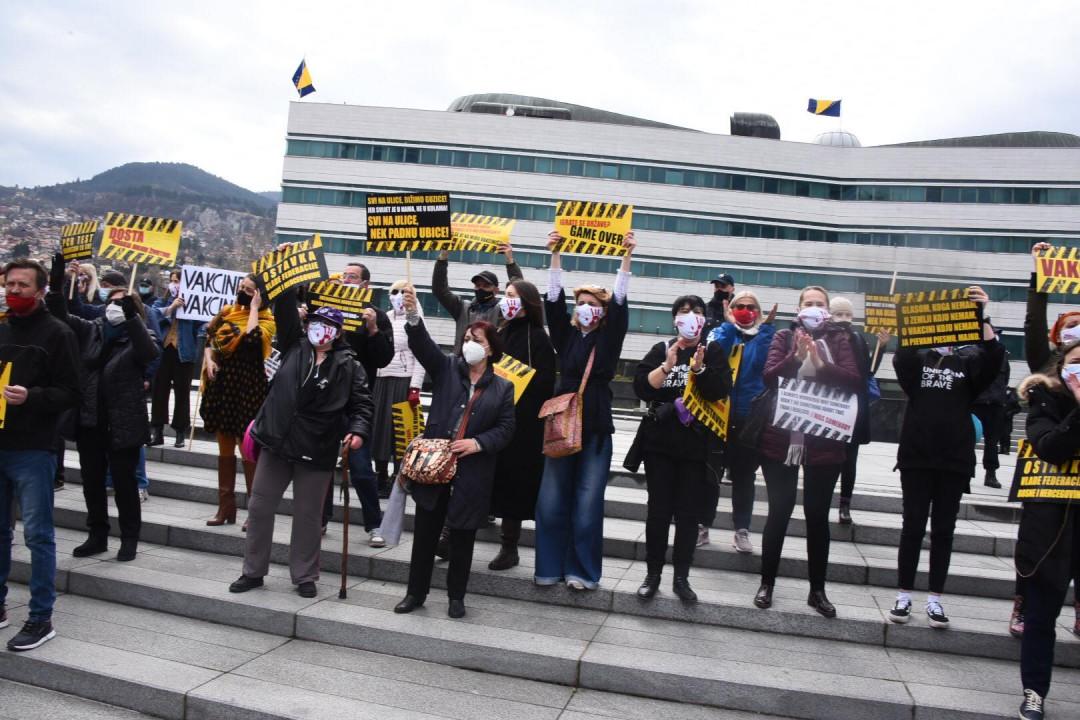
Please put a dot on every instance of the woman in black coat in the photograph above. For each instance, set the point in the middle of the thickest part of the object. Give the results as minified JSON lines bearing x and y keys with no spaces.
{"x":521,"y":464}
{"x":1049,"y":536}
{"x":465,"y":389}
{"x":116,"y":349}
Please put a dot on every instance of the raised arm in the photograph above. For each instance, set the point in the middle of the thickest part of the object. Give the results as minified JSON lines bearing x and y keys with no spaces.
{"x":286,"y":317}
{"x":440,"y":287}
{"x":423,"y":348}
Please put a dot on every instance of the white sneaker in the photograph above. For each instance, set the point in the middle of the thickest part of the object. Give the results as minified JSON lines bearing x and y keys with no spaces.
{"x":575,"y":585}
{"x":375,"y":539}
{"x":935,"y":616}
{"x":144,"y":495}
{"x":742,"y":542}
{"x":702,"y":535}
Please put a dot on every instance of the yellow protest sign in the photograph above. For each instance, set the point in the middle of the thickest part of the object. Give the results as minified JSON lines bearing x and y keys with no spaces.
{"x":1057,"y":270}
{"x":482,"y":233}
{"x":593,"y":228}
{"x":938,"y":318}
{"x":350,"y":300}
{"x":416,"y":221}
{"x":715,"y":415}
{"x":1037,"y":480}
{"x":408,"y":424}
{"x":5,"y":380}
{"x":291,"y":265}
{"x":518,"y":373}
{"x":77,"y":240}
{"x":881,"y":313}
{"x":140,"y":239}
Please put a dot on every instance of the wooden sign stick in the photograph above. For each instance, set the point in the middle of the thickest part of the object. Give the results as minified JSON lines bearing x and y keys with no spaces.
{"x":408,"y":266}
{"x":134,"y":272}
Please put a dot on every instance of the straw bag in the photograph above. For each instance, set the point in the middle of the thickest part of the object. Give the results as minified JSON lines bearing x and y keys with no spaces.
{"x":562,"y":419}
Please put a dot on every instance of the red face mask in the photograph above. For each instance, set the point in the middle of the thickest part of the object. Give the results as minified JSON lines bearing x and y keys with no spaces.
{"x":744,"y":317}
{"x":21,"y":304}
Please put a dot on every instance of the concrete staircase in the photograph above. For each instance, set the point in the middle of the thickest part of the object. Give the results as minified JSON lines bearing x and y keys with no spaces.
{"x":162,"y":636}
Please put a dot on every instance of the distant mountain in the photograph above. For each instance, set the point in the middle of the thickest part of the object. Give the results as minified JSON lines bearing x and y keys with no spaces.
{"x":272,"y":195}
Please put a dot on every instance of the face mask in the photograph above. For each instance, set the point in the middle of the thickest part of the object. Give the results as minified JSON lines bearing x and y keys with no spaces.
{"x":1070,"y":369}
{"x":482,"y":296}
{"x":243,"y":299}
{"x":813,"y":317}
{"x":744,"y":316}
{"x":114,"y":314}
{"x":1070,"y":335}
{"x":510,"y":307}
{"x":146,"y":291}
{"x":722,"y":295}
{"x":587,"y":314}
{"x":397,"y":301}
{"x":103,"y":293}
{"x":845,"y":324}
{"x":174,"y":289}
{"x":321,"y":334}
{"x":944,"y":350}
{"x":473,"y":352}
{"x":689,"y":325}
{"x":21,"y":304}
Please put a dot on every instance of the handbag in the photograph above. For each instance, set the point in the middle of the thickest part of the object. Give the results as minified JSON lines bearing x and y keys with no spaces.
{"x":762,"y":409}
{"x":562,"y":419}
{"x":429,"y":461}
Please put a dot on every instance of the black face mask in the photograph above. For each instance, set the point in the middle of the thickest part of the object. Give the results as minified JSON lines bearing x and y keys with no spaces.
{"x":722,"y":295}
{"x":483,"y":296}
{"x":243,"y":299}
{"x":844,"y":324}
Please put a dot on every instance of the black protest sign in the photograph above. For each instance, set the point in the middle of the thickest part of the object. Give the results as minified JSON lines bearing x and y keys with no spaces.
{"x":77,"y":240}
{"x":350,"y":300}
{"x":938,"y":318}
{"x":1036,"y":480}
{"x":417,"y":221}
{"x":881,"y":313}
{"x":291,"y":265}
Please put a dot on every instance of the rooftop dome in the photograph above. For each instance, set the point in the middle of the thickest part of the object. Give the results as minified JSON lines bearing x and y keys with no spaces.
{"x":838,"y":138}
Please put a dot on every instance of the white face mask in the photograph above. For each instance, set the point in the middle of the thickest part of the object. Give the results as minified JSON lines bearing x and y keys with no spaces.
{"x":321,"y":334}
{"x":945,"y":350}
{"x":397,"y":301}
{"x":510,"y":307}
{"x":813,"y":317}
{"x":586,"y":314}
{"x":114,"y":314}
{"x":1070,"y":335}
{"x":689,"y":325}
{"x":473,"y":352}
{"x":174,"y":289}
{"x":1070,"y":369}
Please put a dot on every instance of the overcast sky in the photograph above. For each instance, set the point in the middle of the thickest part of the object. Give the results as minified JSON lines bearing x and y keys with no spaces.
{"x":90,"y":85}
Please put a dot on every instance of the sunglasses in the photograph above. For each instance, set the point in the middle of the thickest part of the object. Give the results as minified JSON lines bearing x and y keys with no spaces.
{"x":743,"y":306}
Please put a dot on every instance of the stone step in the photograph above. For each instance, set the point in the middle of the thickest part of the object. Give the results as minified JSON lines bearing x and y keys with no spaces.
{"x":979,"y":622}
{"x":270,"y":635}
{"x":26,"y":702}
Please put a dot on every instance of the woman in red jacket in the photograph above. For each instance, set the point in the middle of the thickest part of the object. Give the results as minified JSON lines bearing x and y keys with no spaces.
{"x":817,"y":349}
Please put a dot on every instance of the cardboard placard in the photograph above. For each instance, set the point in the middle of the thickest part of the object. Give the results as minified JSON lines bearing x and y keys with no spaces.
{"x":140,"y":239}
{"x":291,"y":265}
{"x":518,"y":373}
{"x":408,"y":424}
{"x":939,"y":318}
{"x":77,"y":240}
{"x":482,"y":233}
{"x":272,"y":364}
{"x":881,"y":313}
{"x":5,"y":380}
{"x":815,"y":409}
{"x":350,"y":300}
{"x":1036,"y":480}
{"x":715,"y":415}
{"x":1057,"y":270}
{"x":206,"y":290}
{"x":593,"y":228}
{"x":414,"y":221}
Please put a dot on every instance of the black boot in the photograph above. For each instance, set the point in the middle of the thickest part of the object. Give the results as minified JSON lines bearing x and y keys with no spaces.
{"x":94,"y":545}
{"x":763,"y":599}
{"x":991,"y":480}
{"x":649,"y":586}
{"x":845,"y":511}
{"x":382,"y":479}
{"x":128,"y":549}
{"x":508,"y":553}
{"x":819,"y":602}
{"x":180,"y":435}
{"x":681,"y":587}
{"x":156,"y":436}
{"x":442,"y":549}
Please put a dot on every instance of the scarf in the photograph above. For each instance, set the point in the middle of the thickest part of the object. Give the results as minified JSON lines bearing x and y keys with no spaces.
{"x":796,"y":448}
{"x":227,"y":329}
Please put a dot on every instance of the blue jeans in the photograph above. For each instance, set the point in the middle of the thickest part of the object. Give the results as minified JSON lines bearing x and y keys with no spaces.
{"x":570,"y":515}
{"x":140,"y":472}
{"x":366,"y":485}
{"x":28,"y":476}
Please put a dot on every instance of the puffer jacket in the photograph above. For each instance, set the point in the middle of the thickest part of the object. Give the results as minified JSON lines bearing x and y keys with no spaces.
{"x":749,"y":382}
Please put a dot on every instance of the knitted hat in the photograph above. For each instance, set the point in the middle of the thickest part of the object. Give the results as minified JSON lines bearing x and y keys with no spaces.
{"x":841,"y":305}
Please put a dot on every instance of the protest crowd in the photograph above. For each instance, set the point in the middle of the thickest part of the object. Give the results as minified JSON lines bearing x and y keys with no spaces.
{"x":302,"y":373}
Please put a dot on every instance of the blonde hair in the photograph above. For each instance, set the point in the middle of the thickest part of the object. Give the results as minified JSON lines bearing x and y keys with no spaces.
{"x":399,"y":284}
{"x":820,"y":289}
{"x":600,"y":293}
{"x":92,"y":284}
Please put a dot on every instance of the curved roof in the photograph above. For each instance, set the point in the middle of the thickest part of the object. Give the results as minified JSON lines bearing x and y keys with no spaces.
{"x":838,"y":138}
{"x":581,"y":113}
{"x":1032,"y":139}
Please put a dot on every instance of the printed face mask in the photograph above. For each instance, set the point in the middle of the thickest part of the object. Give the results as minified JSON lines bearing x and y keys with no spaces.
{"x":510,"y":307}
{"x":1070,"y":369}
{"x":744,"y":316}
{"x":473,"y":352}
{"x":587,"y":314}
{"x":689,"y":325}
{"x":320,"y":334}
{"x":114,"y":314}
{"x":1070,"y":335}
{"x":397,"y":300}
{"x":813,"y":317}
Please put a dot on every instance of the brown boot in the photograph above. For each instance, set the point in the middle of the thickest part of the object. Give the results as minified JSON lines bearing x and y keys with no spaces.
{"x":249,"y":478}
{"x":508,"y":553}
{"x":226,"y":514}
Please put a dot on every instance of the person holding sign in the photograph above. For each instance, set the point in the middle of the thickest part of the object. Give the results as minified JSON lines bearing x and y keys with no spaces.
{"x":234,"y":386}
{"x":181,"y":347}
{"x":676,"y":447}
{"x":818,"y":349}
{"x":570,"y":506}
{"x":936,"y":454}
{"x":484,"y":305}
{"x":1048,"y":540}
{"x":520,"y":465}
{"x":473,"y":408}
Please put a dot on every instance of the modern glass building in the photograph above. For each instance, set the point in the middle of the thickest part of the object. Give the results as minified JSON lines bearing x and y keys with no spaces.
{"x":776,"y":215}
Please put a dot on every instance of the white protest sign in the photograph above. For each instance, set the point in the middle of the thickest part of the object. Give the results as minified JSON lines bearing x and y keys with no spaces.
{"x":815,"y":409}
{"x":206,"y":290}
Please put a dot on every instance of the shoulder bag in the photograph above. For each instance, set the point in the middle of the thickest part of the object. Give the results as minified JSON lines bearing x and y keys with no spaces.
{"x":562,"y":418}
{"x":429,"y":461}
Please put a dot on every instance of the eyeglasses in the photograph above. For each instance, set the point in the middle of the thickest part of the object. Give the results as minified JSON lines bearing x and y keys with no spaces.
{"x":394,"y":292}
{"x":743,"y":306}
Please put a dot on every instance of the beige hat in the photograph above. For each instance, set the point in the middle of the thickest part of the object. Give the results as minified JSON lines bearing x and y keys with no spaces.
{"x":841,"y":305}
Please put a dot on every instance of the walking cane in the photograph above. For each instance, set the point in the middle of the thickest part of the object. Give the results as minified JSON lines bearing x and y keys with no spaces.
{"x":345,"y":503}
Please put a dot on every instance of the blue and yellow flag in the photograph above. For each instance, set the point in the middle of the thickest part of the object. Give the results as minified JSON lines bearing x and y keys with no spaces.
{"x":824,"y":107}
{"x":302,"y":80}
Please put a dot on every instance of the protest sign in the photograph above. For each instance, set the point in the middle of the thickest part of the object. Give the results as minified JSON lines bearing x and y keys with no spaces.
{"x":939,"y":318}
{"x":1057,"y":270}
{"x":416,"y":221}
{"x":593,"y":228}
{"x":482,"y":233}
{"x":5,"y":380}
{"x":272,"y":364}
{"x":518,"y":373}
{"x":291,"y":265}
{"x":881,"y":313}
{"x":408,"y":424}
{"x":77,"y":240}
{"x":350,"y":300}
{"x":814,"y":409}
{"x":715,"y":415}
{"x":206,"y":290}
{"x":1040,"y":481}
{"x":140,"y":239}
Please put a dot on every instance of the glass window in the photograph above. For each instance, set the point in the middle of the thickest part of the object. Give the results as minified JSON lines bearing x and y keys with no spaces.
{"x":786,"y":187}
{"x":477,"y":160}
{"x":969,"y":195}
{"x":592,"y":169}
{"x":818,"y":190}
{"x":577,"y":168}
{"x":543,"y":165}
{"x":611,"y":172}
{"x":770,"y":185}
{"x":394,"y":154}
{"x":950,"y":194}
{"x":311,"y":196}
{"x":427,"y":156}
{"x":985,"y":195}
{"x":738,"y":182}
{"x":560,"y":166}
{"x":755,"y":183}
{"x":444,"y":157}
{"x":1021,"y":196}
{"x":292,"y":195}
{"x":527,"y":164}
{"x":673,"y":177}
{"x":412,"y":155}
{"x":802,"y":188}
{"x":1057,"y":196}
